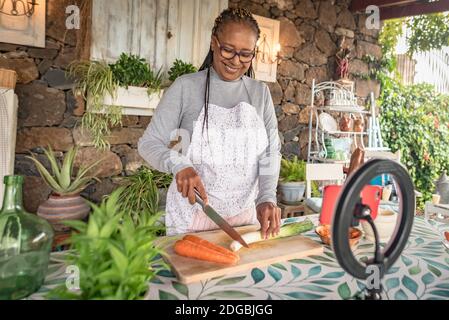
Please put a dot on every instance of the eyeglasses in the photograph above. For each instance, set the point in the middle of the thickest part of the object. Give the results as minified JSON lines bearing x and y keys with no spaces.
{"x":229,"y":54}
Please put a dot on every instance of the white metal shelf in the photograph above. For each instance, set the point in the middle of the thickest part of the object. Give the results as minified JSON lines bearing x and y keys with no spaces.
{"x":342,"y":108}
{"x":340,"y":98}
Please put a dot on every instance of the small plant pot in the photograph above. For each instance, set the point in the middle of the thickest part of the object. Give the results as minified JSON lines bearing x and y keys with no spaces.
{"x":292,"y":192}
{"x":58,"y":209}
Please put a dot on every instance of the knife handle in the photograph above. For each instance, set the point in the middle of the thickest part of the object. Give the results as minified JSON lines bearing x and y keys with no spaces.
{"x":198,"y":198}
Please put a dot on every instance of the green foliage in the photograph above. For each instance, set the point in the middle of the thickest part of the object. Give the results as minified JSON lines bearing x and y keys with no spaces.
{"x":62,"y":181}
{"x":116,"y":258}
{"x":293,"y":170}
{"x":95,"y":79}
{"x":428,"y":32}
{"x":132,"y":70}
{"x":414,"y":120}
{"x":141,"y":192}
{"x":179,"y":68}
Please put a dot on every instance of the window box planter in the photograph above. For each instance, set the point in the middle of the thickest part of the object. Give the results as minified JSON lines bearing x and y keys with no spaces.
{"x":134,"y":101}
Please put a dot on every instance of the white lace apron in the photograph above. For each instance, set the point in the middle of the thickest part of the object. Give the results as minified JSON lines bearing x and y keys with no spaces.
{"x":226,"y":157}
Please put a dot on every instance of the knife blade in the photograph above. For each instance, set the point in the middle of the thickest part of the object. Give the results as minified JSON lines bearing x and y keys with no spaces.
{"x":222,"y":223}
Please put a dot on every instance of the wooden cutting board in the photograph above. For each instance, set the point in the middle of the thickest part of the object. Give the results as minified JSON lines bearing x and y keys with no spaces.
{"x":258,"y":254}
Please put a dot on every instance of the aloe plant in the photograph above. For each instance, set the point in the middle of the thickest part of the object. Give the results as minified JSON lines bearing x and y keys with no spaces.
{"x":61,"y":181}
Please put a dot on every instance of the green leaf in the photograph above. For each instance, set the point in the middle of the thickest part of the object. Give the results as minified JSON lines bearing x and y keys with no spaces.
{"x":406,"y":260}
{"x":441,"y":293}
{"x":230,"y":281}
{"x":109,"y":227}
{"x":279,"y":266}
{"x":276,"y":275}
{"x":257,"y":275}
{"x":419,"y":240}
{"x":231,"y":294}
{"x":428,"y":278}
{"x":325,"y":282}
{"x":442,"y":286}
{"x":400,"y":295}
{"x":437,"y":264}
{"x":392,"y":283}
{"x":76,"y":224}
{"x":166,"y":273}
{"x":295,"y":272}
{"x":410,"y":284}
{"x":92,"y":227}
{"x":302,"y":261}
{"x":414,"y":270}
{"x":163,"y":295}
{"x":319,"y":258}
{"x":304,"y":295}
{"x":392,"y":270}
{"x":181,"y":288}
{"x":120,"y":260}
{"x":314,"y":271}
{"x":335,"y":274}
{"x":315,"y":288}
{"x":434,"y":270}
{"x":344,"y":291}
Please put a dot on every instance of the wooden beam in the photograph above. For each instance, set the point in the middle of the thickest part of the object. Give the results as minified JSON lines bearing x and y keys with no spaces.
{"x":414,"y":9}
{"x":360,"y":5}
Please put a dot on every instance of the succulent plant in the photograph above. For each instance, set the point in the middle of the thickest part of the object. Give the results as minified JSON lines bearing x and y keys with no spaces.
{"x":61,"y":181}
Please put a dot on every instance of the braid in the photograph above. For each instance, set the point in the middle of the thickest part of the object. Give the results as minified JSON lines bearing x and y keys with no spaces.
{"x":239,"y":15}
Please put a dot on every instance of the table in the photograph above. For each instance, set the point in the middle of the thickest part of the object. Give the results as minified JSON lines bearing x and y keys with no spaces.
{"x":422,"y":272}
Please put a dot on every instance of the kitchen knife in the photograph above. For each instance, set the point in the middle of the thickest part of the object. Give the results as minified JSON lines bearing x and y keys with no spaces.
{"x":225,"y":226}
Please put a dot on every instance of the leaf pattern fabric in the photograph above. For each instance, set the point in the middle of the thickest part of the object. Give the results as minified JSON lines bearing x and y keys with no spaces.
{"x":416,"y":275}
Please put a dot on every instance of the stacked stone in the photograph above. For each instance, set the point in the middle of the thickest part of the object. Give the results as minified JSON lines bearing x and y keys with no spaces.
{"x":49,"y":113}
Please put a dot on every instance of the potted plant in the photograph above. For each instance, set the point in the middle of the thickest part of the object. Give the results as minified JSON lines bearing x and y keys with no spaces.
{"x":128,"y":86}
{"x":138,"y":85}
{"x":180,"y":68}
{"x":145,"y":191}
{"x":292,"y":178}
{"x":65,"y":202}
{"x":117,"y":257}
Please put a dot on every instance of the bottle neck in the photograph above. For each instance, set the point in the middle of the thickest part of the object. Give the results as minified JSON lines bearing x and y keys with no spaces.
{"x":12,"y":200}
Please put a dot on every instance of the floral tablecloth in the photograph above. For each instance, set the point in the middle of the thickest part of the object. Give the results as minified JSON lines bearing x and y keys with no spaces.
{"x":422,"y":272}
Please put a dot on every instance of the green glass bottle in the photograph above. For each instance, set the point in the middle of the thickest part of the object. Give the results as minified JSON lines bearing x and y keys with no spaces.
{"x":25,"y":245}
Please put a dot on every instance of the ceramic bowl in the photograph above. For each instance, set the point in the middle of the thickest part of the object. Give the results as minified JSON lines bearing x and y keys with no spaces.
{"x":324,"y":232}
{"x":385,"y":223}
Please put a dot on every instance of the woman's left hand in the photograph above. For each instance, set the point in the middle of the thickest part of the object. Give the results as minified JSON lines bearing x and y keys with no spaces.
{"x":269,"y":216}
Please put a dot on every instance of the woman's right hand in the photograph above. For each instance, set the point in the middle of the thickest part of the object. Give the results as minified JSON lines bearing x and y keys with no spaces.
{"x":187,"y":180}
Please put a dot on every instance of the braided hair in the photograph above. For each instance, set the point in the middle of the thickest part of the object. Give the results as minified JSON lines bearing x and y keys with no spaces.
{"x":239,"y":15}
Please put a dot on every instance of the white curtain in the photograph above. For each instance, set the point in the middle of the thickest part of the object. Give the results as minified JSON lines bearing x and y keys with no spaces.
{"x":8,"y":127}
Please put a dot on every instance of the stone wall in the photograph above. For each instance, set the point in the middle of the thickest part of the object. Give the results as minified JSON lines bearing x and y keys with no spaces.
{"x":310,"y":32}
{"x":50,"y":114}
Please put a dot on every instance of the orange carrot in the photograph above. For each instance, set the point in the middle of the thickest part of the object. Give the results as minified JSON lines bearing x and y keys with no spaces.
{"x":194,"y":250}
{"x":210,"y":245}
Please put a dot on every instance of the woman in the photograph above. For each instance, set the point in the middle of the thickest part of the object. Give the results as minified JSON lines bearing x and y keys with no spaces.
{"x":229,"y":138}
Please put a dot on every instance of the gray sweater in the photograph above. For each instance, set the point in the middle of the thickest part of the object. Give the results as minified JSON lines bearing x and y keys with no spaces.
{"x":181,"y":105}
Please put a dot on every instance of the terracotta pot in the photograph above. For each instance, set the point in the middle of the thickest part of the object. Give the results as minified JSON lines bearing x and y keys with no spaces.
{"x":346,"y":123}
{"x":358,"y":125}
{"x":60,"y":208}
